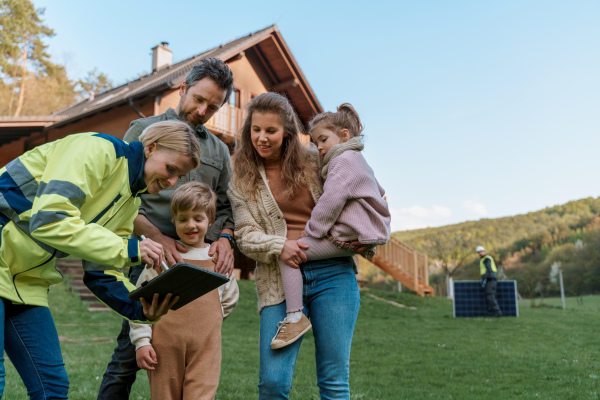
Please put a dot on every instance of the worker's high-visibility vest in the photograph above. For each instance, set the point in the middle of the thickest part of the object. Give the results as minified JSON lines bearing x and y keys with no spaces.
{"x":482,"y":268}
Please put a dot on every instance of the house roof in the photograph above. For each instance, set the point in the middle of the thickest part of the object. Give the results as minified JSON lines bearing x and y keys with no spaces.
{"x":266,"y":47}
{"x":34,"y":121}
{"x":14,"y":128}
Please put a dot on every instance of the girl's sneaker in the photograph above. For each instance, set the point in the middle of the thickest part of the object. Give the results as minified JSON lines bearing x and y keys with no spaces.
{"x":288,"y":332}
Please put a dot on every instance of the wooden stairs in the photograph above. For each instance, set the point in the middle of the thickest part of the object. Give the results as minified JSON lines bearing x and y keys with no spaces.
{"x":405,"y":264}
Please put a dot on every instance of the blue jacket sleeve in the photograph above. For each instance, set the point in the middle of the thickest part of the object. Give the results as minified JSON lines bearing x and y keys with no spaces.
{"x":112,"y":288}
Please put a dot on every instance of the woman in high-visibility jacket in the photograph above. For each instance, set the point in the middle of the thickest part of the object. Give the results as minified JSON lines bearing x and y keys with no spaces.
{"x":78,"y":196}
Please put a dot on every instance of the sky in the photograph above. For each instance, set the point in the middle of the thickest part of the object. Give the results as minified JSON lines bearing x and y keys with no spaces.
{"x":472,"y":109}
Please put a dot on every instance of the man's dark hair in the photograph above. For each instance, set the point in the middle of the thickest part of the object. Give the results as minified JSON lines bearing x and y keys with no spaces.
{"x":214,"y":69}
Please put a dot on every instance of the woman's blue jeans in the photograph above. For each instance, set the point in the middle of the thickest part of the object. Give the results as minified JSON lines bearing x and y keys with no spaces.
{"x":331,"y":301}
{"x":29,"y":336}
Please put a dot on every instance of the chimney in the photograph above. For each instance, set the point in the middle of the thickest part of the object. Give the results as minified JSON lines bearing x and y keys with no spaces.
{"x":161,"y":56}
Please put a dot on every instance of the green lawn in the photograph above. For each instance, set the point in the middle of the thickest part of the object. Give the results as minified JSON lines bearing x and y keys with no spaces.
{"x":398,"y":353}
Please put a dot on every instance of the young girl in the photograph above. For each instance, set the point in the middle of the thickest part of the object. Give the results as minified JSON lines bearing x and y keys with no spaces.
{"x":351,"y":209}
{"x":182,"y":352}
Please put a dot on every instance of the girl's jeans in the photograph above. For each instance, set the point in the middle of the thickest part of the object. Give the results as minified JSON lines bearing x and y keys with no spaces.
{"x":29,"y":336}
{"x":331,"y":301}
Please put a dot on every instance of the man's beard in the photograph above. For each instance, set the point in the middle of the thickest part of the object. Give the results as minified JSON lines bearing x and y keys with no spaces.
{"x":183,"y":116}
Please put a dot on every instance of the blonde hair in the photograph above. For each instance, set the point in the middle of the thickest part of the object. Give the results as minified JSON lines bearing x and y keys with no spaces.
{"x":173,"y":135}
{"x":296,"y":169}
{"x":194,"y":196}
{"x":346,"y":117}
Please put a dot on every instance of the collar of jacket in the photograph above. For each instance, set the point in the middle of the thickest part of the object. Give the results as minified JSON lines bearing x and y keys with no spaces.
{"x":355,"y":144}
{"x":136,"y":169}
{"x":201,"y":131}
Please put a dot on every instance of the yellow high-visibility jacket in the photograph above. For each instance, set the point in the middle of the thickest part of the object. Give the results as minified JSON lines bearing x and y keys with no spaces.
{"x":75,"y":196}
{"x":483,"y":269}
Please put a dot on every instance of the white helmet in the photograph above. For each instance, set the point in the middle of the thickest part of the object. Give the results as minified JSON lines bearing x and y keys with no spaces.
{"x":479,"y":248}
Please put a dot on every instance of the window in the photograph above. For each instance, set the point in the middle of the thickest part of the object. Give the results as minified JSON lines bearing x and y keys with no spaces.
{"x":234,"y":99}
{"x":235,"y":104}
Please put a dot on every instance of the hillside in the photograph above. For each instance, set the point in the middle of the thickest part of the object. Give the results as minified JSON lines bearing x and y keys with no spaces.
{"x":527,"y":245}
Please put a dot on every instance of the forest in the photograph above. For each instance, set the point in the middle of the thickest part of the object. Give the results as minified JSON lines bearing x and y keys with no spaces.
{"x":530,"y":248}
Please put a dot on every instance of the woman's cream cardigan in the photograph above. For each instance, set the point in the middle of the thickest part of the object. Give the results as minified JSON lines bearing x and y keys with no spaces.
{"x":260,"y":233}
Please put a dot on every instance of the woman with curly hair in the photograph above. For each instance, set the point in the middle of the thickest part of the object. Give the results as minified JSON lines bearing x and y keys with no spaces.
{"x":273,"y":191}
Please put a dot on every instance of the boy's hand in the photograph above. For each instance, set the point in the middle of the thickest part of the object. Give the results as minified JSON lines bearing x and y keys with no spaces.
{"x":146,"y":358}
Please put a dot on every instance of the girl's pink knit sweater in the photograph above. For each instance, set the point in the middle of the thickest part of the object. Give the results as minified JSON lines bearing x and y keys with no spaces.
{"x":352,"y":205}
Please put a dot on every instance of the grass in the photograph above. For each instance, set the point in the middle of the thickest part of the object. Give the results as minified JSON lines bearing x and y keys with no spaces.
{"x":397,"y":353}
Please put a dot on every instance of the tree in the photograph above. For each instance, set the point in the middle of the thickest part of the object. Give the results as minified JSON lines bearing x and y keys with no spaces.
{"x":45,"y":94}
{"x":22,"y":47}
{"x":450,"y":252}
{"x":95,"y":82}
{"x":532,"y":279}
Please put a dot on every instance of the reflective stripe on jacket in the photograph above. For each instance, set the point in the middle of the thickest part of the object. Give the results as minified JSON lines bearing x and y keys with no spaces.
{"x":483,"y":269}
{"x":75,"y":196}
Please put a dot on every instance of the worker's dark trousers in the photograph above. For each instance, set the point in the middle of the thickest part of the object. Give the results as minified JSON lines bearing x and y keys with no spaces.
{"x":490,"y":294}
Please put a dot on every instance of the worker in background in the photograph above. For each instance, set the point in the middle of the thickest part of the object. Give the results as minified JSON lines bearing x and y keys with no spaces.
{"x":489,"y":281}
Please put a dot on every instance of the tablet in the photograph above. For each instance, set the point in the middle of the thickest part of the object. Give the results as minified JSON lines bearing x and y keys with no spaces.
{"x":184,"y":280}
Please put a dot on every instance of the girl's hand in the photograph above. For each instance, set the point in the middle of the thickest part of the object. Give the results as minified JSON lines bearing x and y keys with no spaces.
{"x":292,"y":253}
{"x":146,"y":358}
{"x":362,"y":247}
{"x":155,"y":310}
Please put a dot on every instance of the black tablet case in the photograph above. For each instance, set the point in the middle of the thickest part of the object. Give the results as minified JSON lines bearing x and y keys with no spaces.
{"x":184,"y":280}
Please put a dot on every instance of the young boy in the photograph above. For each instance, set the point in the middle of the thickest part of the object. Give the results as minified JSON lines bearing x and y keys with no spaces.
{"x":182,"y":352}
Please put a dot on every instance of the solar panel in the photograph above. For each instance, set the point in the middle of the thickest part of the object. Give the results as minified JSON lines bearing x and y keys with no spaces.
{"x":469,"y":299}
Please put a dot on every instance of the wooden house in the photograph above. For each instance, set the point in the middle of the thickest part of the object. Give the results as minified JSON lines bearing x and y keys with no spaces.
{"x":260,"y":61}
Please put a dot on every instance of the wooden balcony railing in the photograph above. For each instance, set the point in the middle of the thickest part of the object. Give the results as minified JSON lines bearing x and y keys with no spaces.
{"x":405,"y":264}
{"x":228,"y":120}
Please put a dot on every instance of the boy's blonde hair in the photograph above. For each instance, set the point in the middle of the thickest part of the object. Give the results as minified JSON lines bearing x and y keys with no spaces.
{"x":173,"y":135}
{"x":194,"y":196}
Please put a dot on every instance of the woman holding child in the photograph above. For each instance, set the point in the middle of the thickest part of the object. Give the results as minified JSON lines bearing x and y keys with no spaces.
{"x":78,"y":196}
{"x":274,"y":190}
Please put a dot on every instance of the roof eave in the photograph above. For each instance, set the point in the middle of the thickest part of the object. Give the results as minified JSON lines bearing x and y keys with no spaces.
{"x":318,"y":108}
{"x":108,"y":106}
